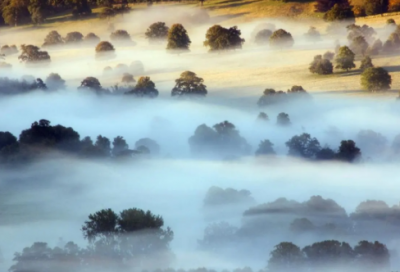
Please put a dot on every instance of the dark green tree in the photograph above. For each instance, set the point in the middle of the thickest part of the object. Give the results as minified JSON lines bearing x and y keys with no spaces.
{"x":104,"y":146}
{"x":348,"y":151}
{"x":178,"y":39}
{"x":339,"y":13}
{"x":157,"y":32}
{"x":189,"y":84}
{"x":376,"y":79}
{"x":321,"y":66}
{"x":31,"y":54}
{"x":144,"y":88}
{"x":220,"y":38}
{"x":285,"y":257}
{"x":345,"y":59}
{"x":372,"y":256}
{"x":303,"y":146}
{"x":119,"y":146}
{"x":265,"y":148}
{"x":281,"y":39}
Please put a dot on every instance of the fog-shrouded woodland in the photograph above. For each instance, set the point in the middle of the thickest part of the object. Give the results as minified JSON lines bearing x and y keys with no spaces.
{"x":199,"y":136}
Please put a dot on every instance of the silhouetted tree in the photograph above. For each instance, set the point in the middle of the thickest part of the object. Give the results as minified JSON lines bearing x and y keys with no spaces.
{"x":220,"y":38}
{"x":189,"y":85}
{"x":285,"y":257}
{"x":104,"y":146}
{"x":55,"y":82}
{"x":265,"y":148}
{"x":157,"y":32}
{"x":325,"y":154}
{"x":345,"y":59}
{"x":321,"y":66}
{"x":372,"y":256}
{"x":144,"y":88}
{"x":119,"y":146}
{"x":8,"y":50}
{"x":281,"y":39}
{"x":376,"y":79}
{"x":283,"y":119}
{"x":263,"y":117}
{"x":271,"y":97}
{"x":348,"y":151}
{"x":150,"y":144}
{"x":303,"y":146}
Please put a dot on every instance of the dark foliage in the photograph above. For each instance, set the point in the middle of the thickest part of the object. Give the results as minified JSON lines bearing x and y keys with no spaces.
{"x":32,"y":55}
{"x":157,"y":32}
{"x":144,"y":88}
{"x":375,"y":79}
{"x":283,"y":119}
{"x":55,"y":82}
{"x":178,"y":39}
{"x":281,"y":39}
{"x":53,"y":39}
{"x":303,"y":146}
{"x":220,"y":38}
{"x":73,"y":38}
{"x":321,"y":66}
{"x":189,"y":85}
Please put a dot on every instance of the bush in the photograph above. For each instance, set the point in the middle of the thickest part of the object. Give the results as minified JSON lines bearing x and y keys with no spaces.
{"x":91,"y":38}
{"x":157,"y":32}
{"x":376,"y":79}
{"x":178,"y":39}
{"x":321,"y":66}
{"x":281,"y":39}
{"x":189,"y":85}
{"x":73,"y":37}
{"x":345,"y":59}
{"x":219,"y":38}
{"x":53,"y":38}
{"x":55,"y":82}
{"x":144,"y":88}
{"x":359,"y":45}
{"x":366,"y":63}
{"x":339,"y":13}
{"x":31,"y":54}
{"x":262,"y":37}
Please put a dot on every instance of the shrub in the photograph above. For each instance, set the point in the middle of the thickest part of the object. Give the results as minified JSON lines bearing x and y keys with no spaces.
{"x":321,"y":66}
{"x":366,"y":63}
{"x":376,"y":79}
{"x":144,"y":88}
{"x":219,"y":38}
{"x":281,"y":39}
{"x":157,"y":32}
{"x":178,"y":39}
{"x":345,"y":59}
{"x":53,"y":38}
{"x":73,"y":37}
{"x":262,"y":37}
{"x":189,"y":85}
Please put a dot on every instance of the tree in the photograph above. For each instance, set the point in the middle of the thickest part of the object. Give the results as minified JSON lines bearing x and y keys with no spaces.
{"x":218,"y":236}
{"x":104,"y":49}
{"x":348,"y":151}
{"x":283,"y":119}
{"x":373,"y":7}
{"x":157,"y":32}
{"x":313,"y":34}
{"x":328,"y":55}
{"x":301,"y":225}
{"x":31,"y":54}
{"x":281,"y":39}
{"x":178,"y":39}
{"x":53,"y":38}
{"x":376,"y":79}
{"x":73,"y":37}
{"x":325,"y":154}
{"x":91,"y":38}
{"x":189,"y":85}
{"x":127,"y":78}
{"x":271,"y":97}
{"x":144,"y":88}
{"x":326,"y":5}
{"x":16,"y":12}
{"x":265,"y":148}
{"x":391,"y":21}
{"x":285,"y":257}
{"x":81,"y":8}
{"x":220,"y":38}
{"x":119,"y":146}
{"x":339,"y":13}
{"x":38,"y":14}
{"x":120,"y":35}
{"x":359,"y":45}
{"x":6,"y":139}
{"x":262,"y":37}
{"x":106,"y":3}
{"x":303,"y":146}
{"x":107,"y":13}
{"x":150,"y":144}
{"x":263,"y":117}
{"x":55,"y":82}
{"x":345,"y":59}
{"x":366,"y":62}
{"x":321,"y":66}
{"x":103,"y":145}
{"x":375,"y":48}
{"x":372,"y":256}
{"x":134,"y":236}
{"x":392,"y":43}
{"x":92,"y":84}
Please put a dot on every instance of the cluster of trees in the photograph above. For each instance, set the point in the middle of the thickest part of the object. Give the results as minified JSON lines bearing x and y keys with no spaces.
{"x":43,"y":139}
{"x":272,"y":97}
{"x":131,"y":239}
{"x":13,"y":86}
{"x":330,"y":255}
{"x":55,"y":39}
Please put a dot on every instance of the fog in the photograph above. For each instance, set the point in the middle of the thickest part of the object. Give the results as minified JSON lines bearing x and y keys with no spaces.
{"x":49,"y":200}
